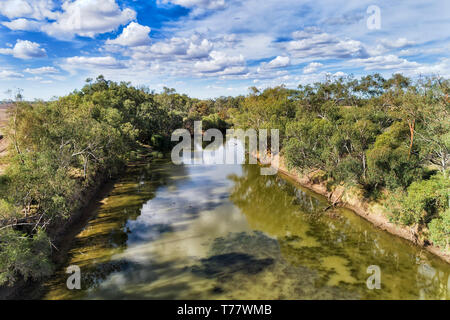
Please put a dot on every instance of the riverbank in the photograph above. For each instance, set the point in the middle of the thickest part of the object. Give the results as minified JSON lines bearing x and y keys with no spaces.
{"x":63,"y":232}
{"x":352,"y":199}
{"x":227,"y":232}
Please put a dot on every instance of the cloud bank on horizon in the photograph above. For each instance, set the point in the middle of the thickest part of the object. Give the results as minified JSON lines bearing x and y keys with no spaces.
{"x":209,"y":48}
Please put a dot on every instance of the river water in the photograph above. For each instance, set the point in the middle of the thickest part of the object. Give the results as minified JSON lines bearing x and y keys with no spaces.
{"x":170,"y":231}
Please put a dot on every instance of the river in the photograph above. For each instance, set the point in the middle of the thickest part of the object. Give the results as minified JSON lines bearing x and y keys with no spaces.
{"x":170,"y":231}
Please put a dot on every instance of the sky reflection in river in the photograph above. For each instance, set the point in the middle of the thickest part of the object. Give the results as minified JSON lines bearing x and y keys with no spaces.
{"x":225,"y":231}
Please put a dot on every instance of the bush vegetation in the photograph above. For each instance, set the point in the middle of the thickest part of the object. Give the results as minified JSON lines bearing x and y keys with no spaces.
{"x":385,"y":136}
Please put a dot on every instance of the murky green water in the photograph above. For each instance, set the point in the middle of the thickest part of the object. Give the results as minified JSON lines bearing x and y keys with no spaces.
{"x":226,"y":232}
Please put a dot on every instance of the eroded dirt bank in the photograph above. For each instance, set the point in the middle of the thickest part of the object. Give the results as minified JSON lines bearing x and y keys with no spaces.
{"x":352,"y":199}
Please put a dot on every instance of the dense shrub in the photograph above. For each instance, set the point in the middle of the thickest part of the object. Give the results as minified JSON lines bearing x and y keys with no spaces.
{"x":24,"y":256}
{"x":440,"y":230}
{"x":59,"y":150}
{"x":388,"y":160}
{"x":423,"y":201}
{"x":380,"y":134}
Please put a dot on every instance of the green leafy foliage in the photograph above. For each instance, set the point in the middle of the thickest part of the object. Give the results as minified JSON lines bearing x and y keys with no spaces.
{"x":440,"y":230}
{"x":378,"y":134}
{"x":422,"y":201}
{"x":388,"y":159}
{"x":23,"y":256}
{"x":63,"y":148}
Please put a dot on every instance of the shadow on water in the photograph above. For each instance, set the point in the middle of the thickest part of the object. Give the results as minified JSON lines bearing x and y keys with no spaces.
{"x":223,"y":266}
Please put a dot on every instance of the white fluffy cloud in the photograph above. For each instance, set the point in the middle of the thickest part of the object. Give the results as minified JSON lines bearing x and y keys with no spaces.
{"x":200,"y":49}
{"x":6,"y":74}
{"x":77,"y":17}
{"x":387,"y":45}
{"x":186,"y":48}
{"x":132,"y":36}
{"x":25,"y":49}
{"x":440,"y":68}
{"x":233,"y":71}
{"x":175,"y":46}
{"x":42,"y":70}
{"x":388,"y":62}
{"x":312,"y":67}
{"x":106,"y":62}
{"x":209,"y":42}
{"x":279,"y":62}
{"x":305,"y":33}
{"x":266,"y":69}
{"x":205,"y":4}
{"x":396,"y":44}
{"x":220,"y":62}
{"x":88,"y":18}
{"x":311,"y":44}
{"x":176,"y":56}
{"x":22,"y":25}
{"x":35,"y":9}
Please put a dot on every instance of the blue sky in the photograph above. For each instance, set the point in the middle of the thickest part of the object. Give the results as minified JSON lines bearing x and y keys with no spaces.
{"x":209,"y":48}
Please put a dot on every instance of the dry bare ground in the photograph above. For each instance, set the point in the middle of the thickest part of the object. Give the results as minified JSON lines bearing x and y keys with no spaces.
{"x":3,"y":140}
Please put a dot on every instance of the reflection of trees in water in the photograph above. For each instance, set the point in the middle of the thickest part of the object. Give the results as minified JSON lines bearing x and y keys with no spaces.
{"x":269,"y":203}
{"x":345,"y":245}
{"x":433,"y":283}
{"x":313,"y":257}
{"x":155,"y":280}
{"x":273,"y":192}
{"x":278,"y":208}
{"x":180,"y":277}
{"x":106,"y":234}
{"x":239,"y":266}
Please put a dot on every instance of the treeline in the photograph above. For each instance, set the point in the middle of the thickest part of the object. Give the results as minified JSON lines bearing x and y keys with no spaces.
{"x":388,"y":137}
{"x":61,"y":151}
